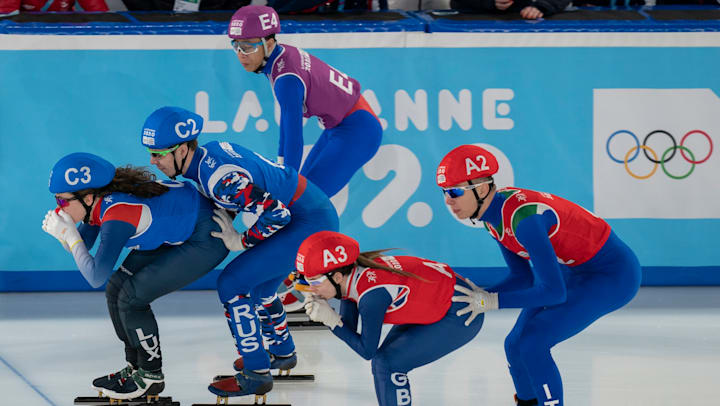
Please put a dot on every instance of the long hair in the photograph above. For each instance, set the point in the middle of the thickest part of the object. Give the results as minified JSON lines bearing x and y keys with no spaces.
{"x":136,"y":181}
{"x":367,"y":259}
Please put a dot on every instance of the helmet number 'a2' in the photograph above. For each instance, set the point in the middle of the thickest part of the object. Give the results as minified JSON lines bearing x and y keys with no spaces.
{"x":85,"y":179}
{"x":182,"y":130}
{"x":470,"y":165}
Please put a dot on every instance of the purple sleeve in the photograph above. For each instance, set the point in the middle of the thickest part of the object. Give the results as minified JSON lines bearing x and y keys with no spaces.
{"x":290,"y":93}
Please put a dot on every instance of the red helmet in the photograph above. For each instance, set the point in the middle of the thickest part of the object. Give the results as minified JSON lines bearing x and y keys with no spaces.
{"x":464,"y":163}
{"x":325,"y":251}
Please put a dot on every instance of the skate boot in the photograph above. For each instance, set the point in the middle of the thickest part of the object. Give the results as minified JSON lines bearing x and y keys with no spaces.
{"x":244,"y":383}
{"x":140,"y":383}
{"x":108,"y":381}
{"x":281,"y":362}
{"x":529,"y":402}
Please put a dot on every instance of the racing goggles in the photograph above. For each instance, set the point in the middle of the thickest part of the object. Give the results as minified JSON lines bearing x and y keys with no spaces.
{"x":453,"y":192}
{"x":244,"y":47}
{"x":302,"y":284}
{"x":159,"y":153}
{"x":62,"y":202}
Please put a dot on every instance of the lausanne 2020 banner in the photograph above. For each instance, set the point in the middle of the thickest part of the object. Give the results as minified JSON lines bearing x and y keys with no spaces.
{"x":629,"y":132}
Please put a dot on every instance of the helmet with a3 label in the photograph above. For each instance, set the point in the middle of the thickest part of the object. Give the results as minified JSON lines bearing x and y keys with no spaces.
{"x":80,"y":170}
{"x":254,"y":21}
{"x":169,"y":126}
{"x":465,"y":163}
{"x":324,"y":252}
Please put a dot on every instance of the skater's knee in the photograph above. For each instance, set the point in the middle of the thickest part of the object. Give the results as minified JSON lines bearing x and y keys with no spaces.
{"x":128,"y":298}
{"x":522,"y":346}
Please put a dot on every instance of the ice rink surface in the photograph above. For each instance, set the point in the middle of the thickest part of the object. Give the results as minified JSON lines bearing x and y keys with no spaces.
{"x":663,"y":349}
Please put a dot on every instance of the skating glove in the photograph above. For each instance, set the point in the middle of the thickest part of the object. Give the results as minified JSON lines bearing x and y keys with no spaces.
{"x":478,"y":299}
{"x":61,"y":226}
{"x":231,"y":238}
{"x":319,"y":310}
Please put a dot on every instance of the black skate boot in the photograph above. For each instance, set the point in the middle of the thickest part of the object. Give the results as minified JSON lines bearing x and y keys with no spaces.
{"x":108,"y":381}
{"x":140,"y":383}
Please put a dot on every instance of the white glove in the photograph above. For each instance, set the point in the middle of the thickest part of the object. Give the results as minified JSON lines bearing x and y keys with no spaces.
{"x":231,"y":238}
{"x":478,"y":299}
{"x":62,"y":227}
{"x":319,"y":310}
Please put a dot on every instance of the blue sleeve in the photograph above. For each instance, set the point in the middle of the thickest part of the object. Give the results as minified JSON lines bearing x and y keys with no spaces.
{"x":349,"y":314}
{"x":520,"y":274}
{"x":549,"y":286}
{"x":290,"y":94}
{"x":113,"y":236}
{"x":372,"y":308}
{"x":89,"y":234}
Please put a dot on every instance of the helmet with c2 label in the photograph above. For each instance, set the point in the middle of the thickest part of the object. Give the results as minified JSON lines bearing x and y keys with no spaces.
{"x":169,"y":126}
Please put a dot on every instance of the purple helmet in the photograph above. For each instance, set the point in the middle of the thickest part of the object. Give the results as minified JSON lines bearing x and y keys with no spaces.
{"x":254,"y":22}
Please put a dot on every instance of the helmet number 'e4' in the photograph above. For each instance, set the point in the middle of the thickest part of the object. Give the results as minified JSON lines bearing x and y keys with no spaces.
{"x":182,"y":130}
{"x":85,"y":179}
{"x":268,"y":20}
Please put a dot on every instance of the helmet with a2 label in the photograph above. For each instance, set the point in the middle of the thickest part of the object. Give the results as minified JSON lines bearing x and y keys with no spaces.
{"x":254,"y":21}
{"x":78,"y":171}
{"x":324,"y":252}
{"x":465,"y":163}
{"x":169,"y":126}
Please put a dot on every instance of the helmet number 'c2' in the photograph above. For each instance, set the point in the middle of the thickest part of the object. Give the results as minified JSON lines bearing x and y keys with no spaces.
{"x":85,"y":179}
{"x":183,"y":132}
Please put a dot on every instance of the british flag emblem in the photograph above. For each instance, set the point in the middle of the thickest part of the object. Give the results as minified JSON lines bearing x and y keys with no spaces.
{"x":401,"y":299}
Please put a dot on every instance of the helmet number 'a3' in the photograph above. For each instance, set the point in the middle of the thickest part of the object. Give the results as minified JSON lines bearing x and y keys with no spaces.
{"x":328,"y":256}
{"x":85,"y":179}
{"x":182,"y":130}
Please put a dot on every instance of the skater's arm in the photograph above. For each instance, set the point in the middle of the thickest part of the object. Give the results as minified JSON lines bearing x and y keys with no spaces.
{"x":113,"y":236}
{"x":235,"y":188}
{"x":89,"y":234}
{"x":349,"y":314}
{"x":520,"y":274}
{"x":549,"y":286}
{"x":372,"y":308}
{"x":290,"y":94}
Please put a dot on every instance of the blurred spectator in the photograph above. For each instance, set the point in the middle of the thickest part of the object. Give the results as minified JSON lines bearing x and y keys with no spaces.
{"x":413,"y":5}
{"x":13,"y":6}
{"x":184,"y":5}
{"x":528,"y":9}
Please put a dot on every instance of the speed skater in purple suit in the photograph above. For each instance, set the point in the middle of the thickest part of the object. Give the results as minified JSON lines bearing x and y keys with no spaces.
{"x":305,"y":86}
{"x":567,"y":268}
{"x":412,"y":294}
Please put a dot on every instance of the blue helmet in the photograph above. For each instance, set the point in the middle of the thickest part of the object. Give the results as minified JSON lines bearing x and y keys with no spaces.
{"x":79,"y":171}
{"x":169,"y":126}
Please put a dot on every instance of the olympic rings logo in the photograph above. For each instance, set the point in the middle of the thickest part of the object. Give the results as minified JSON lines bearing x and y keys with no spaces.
{"x":665,"y":157}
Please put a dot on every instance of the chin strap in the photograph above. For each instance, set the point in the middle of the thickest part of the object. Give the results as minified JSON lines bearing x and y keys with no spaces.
{"x":178,"y":171}
{"x":480,"y":200}
{"x":88,"y":209}
{"x":265,"y":58}
{"x":338,"y":291}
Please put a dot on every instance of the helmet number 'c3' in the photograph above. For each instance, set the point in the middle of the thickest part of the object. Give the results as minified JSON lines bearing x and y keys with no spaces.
{"x":85,"y":179}
{"x":183,"y":132}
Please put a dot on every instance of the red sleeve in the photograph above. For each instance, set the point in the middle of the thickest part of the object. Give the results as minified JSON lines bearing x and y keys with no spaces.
{"x":129,"y":213}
